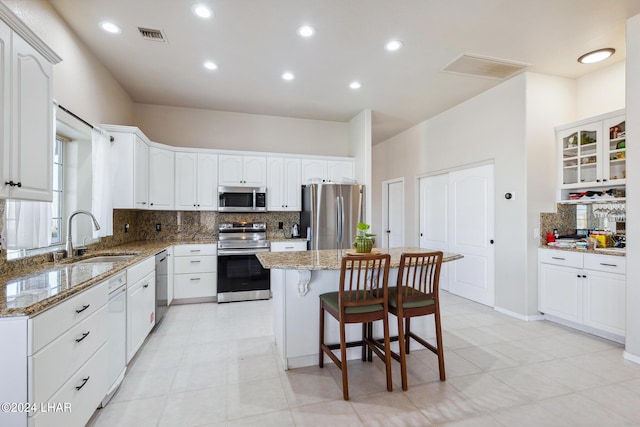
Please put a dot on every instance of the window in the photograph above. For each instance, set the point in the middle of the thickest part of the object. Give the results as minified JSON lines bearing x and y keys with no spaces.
{"x":58,"y":183}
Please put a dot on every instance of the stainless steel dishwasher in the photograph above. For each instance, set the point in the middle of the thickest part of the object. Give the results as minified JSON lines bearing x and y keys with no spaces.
{"x":162,"y":295}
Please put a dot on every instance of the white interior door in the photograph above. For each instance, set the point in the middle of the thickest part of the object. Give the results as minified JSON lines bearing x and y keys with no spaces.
{"x":471,"y":228}
{"x":433,"y":216}
{"x":393,"y":233}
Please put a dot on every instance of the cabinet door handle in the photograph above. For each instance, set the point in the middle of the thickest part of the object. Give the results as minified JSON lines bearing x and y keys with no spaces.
{"x":86,"y":334}
{"x":194,"y":250}
{"x":145,"y":286}
{"x":84,"y":307}
{"x":13,"y":184}
{"x":84,"y":381}
{"x":584,"y":276}
{"x":558,"y":258}
{"x":195,"y":261}
{"x":195,"y":278}
{"x":578,"y":276}
{"x":288,"y":247}
{"x":608,"y":265}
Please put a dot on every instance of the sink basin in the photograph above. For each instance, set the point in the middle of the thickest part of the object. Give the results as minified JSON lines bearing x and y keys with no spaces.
{"x":105,"y":258}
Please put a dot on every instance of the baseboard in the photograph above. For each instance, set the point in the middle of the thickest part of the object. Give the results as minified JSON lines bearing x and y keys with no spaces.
{"x":526,"y":318}
{"x":631,"y":357}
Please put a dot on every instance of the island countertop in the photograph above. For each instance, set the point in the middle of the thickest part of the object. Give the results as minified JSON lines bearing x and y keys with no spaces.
{"x":330,"y":259}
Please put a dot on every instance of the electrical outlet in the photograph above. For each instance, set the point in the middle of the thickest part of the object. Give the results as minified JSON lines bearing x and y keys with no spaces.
{"x":158,"y":227}
{"x":126,"y":228}
{"x":280,"y":225}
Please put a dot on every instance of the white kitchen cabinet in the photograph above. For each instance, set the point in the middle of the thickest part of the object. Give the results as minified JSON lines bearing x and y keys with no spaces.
{"x":196,"y":181}
{"x":129,"y":167}
{"x":289,"y":246}
{"x":195,"y":272}
{"x":592,"y":152}
{"x":141,"y":304}
{"x":320,"y":170}
{"x":242,"y":171}
{"x":585,"y":289}
{"x":284,"y":182}
{"x":161,"y":178}
{"x":170,"y":282}
{"x":51,"y":355}
{"x":340,"y":171}
{"x":26,"y":116}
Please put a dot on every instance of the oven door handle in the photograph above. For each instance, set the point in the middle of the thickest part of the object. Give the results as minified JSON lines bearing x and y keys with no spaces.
{"x":241,"y":252}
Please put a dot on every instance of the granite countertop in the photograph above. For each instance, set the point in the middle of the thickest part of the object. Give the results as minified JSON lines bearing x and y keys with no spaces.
{"x":330,"y":259}
{"x":33,"y":289}
{"x":598,"y":251}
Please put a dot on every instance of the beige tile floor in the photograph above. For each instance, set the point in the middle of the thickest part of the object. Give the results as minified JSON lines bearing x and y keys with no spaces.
{"x":216,"y":365}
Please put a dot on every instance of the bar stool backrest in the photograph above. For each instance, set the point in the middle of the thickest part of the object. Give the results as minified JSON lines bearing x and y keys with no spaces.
{"x":419,"y":275}
{"x":364,"y":279}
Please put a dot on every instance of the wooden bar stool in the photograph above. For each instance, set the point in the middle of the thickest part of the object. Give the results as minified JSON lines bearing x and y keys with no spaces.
{"x":361,"y":298}
{"x":416,"y":294}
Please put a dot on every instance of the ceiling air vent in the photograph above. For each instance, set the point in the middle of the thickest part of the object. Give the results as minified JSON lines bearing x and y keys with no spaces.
{"x":489,"y":68}
{"x":151,"y":34}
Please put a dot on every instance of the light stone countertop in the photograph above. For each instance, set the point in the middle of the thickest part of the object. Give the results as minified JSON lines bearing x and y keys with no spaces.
{"x":330,"y":259}
{"x":33,"y":289}
{"x":598,"y":251}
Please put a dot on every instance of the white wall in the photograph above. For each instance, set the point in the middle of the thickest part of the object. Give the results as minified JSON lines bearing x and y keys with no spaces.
{"x":601,"y":91}
{"x":197,"y":128}
{"x":633,"y":189}
{"x":80,"y":82}
{"x":360,"y":149}
{"x":550,"y":102}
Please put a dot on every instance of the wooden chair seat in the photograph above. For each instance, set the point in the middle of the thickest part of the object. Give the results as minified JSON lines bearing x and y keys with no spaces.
{"x":416,"y":294}
{"x":362,"y":297}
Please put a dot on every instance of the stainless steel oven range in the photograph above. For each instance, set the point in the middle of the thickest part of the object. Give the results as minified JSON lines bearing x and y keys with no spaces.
{"x":240,"y":274}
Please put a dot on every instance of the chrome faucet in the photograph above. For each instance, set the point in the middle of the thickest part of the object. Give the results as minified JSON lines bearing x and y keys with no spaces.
{"x":96,"y":226}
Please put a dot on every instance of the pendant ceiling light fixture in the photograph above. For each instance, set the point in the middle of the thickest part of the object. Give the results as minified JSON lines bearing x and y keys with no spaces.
{"x":596,"y":55}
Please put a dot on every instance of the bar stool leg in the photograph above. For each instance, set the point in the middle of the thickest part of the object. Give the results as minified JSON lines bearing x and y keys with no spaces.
{"x":321,"y":352}
{"x":343,"y":361}
{"x":403,"y":353}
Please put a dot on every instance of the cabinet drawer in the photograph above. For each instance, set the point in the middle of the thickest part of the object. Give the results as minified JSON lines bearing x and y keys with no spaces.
{"x":45,"y":327}
{"x":289,"y":246}
{"x":55,"y":363}
{"x":566,"y":258}
{"x":195,"y":285}
{"x":611,"y":264}
{"x":91,"y":379}
{"x":195,"y":249}
{"x":195,"y":264}
{"x":141,"y":269}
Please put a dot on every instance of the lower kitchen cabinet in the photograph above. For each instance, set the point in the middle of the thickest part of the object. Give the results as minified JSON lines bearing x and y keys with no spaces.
{"x":141,"y":304}
{"x":585,"y":289}
{"x":195,"y":269}
{"x":56,"y":357}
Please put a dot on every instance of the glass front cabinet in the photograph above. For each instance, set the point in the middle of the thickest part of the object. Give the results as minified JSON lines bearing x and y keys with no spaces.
{"x":593,"y":153}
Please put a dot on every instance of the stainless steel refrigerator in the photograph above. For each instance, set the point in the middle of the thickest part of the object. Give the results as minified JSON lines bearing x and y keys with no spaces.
{"x":330,"y":214}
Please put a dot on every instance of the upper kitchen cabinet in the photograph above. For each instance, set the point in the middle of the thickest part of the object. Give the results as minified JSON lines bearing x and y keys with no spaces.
{"x":284,"y":180}
{"x":161,"y":182}
{"x":593,"y":152}
{"x":320,"y":170}
{"x":196,"y":181}
{"x":129,"y":167}
{"x":242,"y":171}
{"x":26,"y":111}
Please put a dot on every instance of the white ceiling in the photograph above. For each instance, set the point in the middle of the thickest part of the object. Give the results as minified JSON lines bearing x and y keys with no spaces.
{"x":254,"y":41}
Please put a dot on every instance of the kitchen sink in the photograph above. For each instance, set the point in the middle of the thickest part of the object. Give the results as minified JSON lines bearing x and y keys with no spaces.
{"x":105,"y":258}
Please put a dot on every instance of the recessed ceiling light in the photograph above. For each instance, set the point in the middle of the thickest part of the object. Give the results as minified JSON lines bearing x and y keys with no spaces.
{"x":202,"y":11}
{"x":210,"y":65}
{"x":306,"y":31}
{"x":393,"y":45}
{"x":355,"y":85}
{"x":287,"y":75}
{"x":110,"y":27}
{"x":596,"y":55}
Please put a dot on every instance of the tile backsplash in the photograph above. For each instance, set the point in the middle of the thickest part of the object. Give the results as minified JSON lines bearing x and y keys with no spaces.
{"x":175,"y":225}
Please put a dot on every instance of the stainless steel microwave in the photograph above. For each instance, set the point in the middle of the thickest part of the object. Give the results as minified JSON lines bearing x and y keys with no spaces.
{"x":242,"y":199}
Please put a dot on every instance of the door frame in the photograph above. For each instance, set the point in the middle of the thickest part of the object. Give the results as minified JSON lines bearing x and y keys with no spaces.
{"x":385,"y":209}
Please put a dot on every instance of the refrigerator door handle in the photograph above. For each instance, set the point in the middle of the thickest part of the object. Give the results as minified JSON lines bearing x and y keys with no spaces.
{"x":339,"y":219}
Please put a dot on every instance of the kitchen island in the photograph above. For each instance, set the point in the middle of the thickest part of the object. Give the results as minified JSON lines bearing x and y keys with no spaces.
{"x":297,"y":279}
